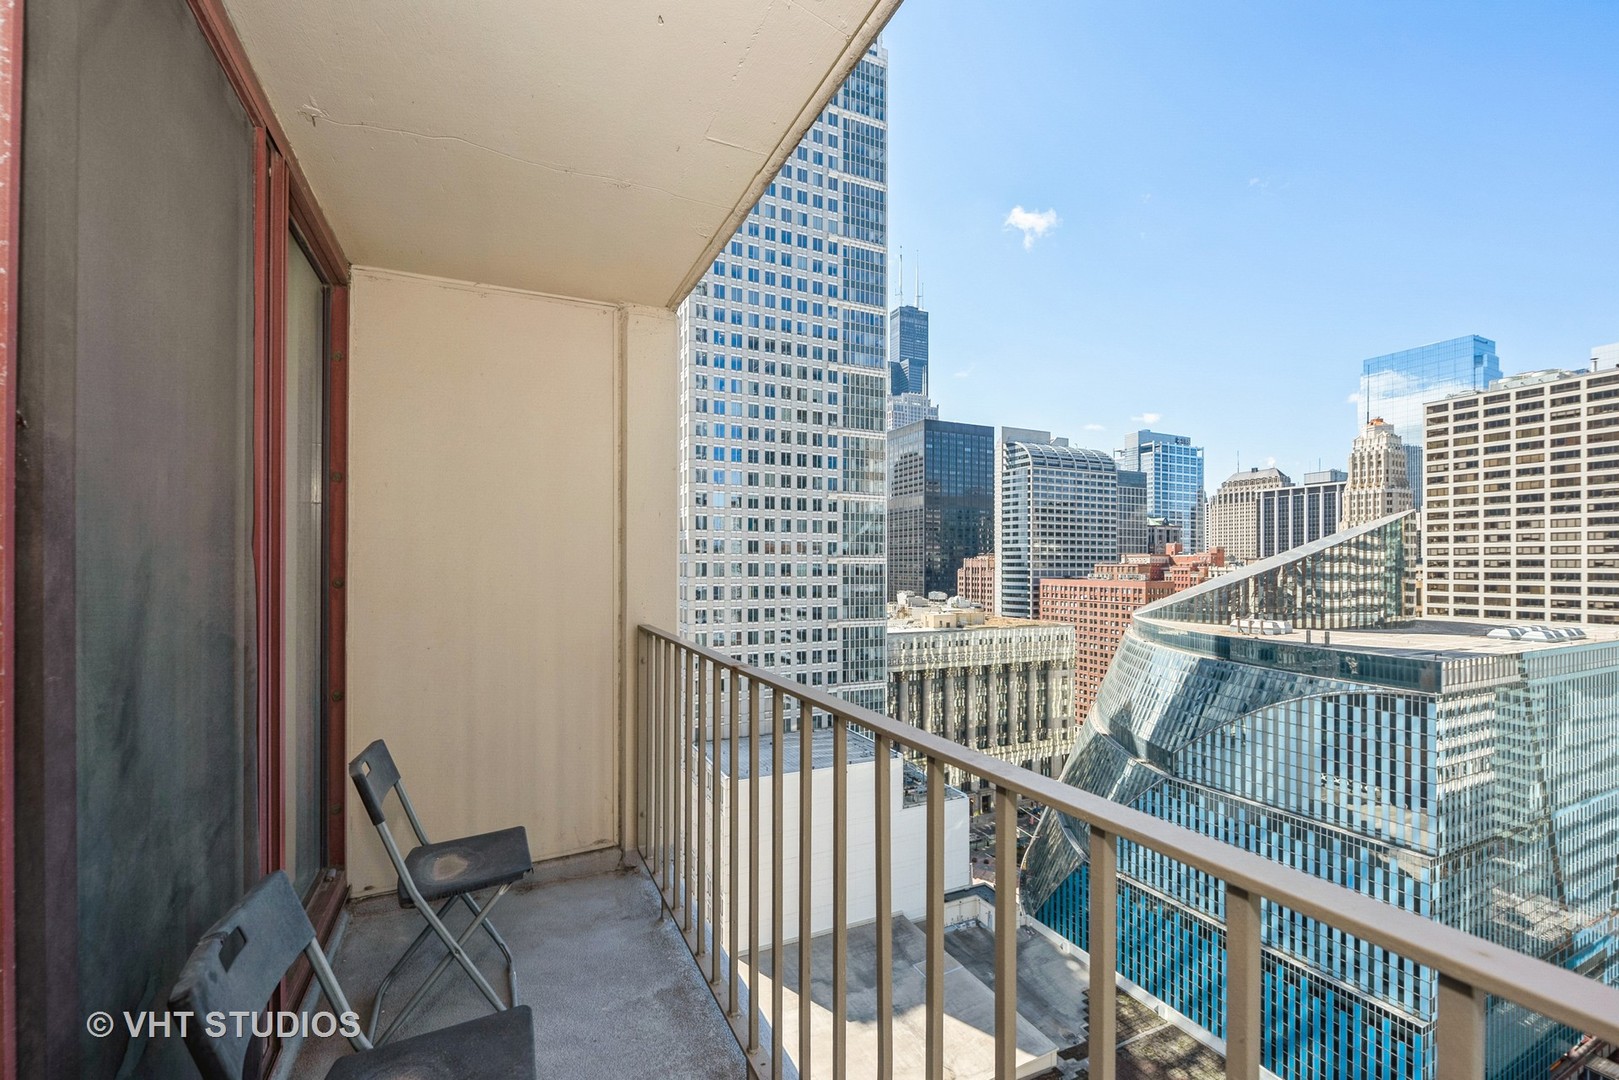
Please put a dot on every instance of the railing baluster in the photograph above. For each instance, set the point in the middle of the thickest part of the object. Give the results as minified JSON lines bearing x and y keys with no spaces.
{"x":716,"y":701}
{"x":731,"y":910}
{"x":655,"y":731}
{"x":700,"y":802}
{"x":1102,"y":1032}
{"x":643,"y":748}
{"x":666,"y":675}
{"x":840,"y":897}
{"x":885,"y":911}
{"x":1006,"y":928}
{"x":806,"y":876}
{"x":1459,"y":1034}
{"x":935,"y":948}
{"x":755,"y":871}
{"x":778,"y":1054}
{"x":688,"y":752}
{"x":1244,"y":979}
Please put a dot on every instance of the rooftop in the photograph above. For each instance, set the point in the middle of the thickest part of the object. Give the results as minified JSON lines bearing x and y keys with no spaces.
{"x":1420,"y":638}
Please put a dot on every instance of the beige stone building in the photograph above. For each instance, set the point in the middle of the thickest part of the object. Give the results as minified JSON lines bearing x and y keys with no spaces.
{"x":1378,"y":483}
{"x":1003,"y":686}
{"x":1234,"y":512}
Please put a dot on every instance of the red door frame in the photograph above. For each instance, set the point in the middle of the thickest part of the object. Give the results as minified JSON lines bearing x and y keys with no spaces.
{"x":11,"y":46}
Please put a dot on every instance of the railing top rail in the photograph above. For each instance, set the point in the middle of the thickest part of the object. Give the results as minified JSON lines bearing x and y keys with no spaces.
{"x":1560,"y":994}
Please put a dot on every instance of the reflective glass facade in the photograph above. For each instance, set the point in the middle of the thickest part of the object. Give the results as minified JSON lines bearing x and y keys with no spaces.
{"x":1174,"y":469}
{"x":941,"y":503}
{"x":1470,"y":781}
{"x":908,"y":350}
{"x":784,"y":379}
{"x":1396,"y":388}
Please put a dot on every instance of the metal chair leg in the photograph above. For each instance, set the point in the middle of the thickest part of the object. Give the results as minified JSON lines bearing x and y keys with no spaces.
{"x":393,"y":972}
{"x":500,"y":943}
{"x":457,"y":953}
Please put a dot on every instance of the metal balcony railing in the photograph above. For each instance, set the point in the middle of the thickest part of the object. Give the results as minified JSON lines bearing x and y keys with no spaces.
{"x":693,"y":697}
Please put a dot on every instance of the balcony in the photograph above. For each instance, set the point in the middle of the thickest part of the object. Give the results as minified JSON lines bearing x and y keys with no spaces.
{"x":485,"y":221}
{"x":666,"y":956}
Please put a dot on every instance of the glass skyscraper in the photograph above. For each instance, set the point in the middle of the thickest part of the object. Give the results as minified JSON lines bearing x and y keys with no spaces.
{"x":941,"y":503}
{"x":908,"y":350}
{"x":1174,"y":469}
{"x":1397,"y":386}
{"x":1467,"y":775}
{"x":783,"y":384}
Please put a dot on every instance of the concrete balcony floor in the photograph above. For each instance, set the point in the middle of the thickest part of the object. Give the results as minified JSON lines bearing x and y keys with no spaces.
{"x":613,"y":989}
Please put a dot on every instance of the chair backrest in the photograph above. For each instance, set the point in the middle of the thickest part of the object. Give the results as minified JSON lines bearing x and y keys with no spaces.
{"x":374,"y":775}
{"x":235,"y":968}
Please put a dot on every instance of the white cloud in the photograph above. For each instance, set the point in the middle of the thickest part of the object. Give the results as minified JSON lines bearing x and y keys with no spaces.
{"x":963,"y":374}
{"x":1147,"y":418}
{"x":1033,"y":224}
{"x":1258,"y":182}
{"x":1270,"y":463}
{"x":1094,"y":427}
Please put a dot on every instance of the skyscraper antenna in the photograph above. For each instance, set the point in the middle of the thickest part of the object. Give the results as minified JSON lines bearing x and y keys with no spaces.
{"x":919,"y":279}
{"x":899,"y":285}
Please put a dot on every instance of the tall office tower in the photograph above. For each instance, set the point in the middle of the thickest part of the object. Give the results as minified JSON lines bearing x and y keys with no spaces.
{"x":1302,"y":513}
{"x":1233,"y":520}
{"x":1099,"y":607}
{"x":975,"y":581}
{"x":1396,"y":387}
{"x":1003,"y":686}
{"x":1461,"y":776}
{"x":1133,"y":519}
{"x":783,"y":383}
{"x":1523,"y":514}
{"x":908,"y":350}
{"x":941,"y":502}
{"x":1056,"y":515}
{"x":1378,"y":484}
{"x":1174,"y":469}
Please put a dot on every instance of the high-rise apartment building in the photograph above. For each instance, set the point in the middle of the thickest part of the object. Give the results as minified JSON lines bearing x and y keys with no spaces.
{"x":1291,"y":708}
{"x":975,"y":581}
{"x":783,"y":385}
{"x":941,"y":502}
{"x":1056,"y":515}
{"x":1297,"y":514}
{"x":1398,"y":386}
{"x":1174,"y":469}
{"x":1378,"y":484}
{"x":1233,"y":518}
{"x":1522,"y":521}
{"x":1003,"y":686}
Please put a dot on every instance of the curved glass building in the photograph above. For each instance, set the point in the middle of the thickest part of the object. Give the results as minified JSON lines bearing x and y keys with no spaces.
{"x":1294,"y":710}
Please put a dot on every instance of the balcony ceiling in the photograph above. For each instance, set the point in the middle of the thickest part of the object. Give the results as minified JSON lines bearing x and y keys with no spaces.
{"x":599,"y":148}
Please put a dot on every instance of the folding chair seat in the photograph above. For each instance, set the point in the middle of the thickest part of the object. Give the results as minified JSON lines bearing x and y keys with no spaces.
{"x":494,"y":1047}
{"x":449,"y":871}
{"x":242,"y":959}
{"x":454,"y":867}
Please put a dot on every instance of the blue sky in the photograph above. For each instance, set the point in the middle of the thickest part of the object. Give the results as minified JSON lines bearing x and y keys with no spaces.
{"x":1250,"y":199}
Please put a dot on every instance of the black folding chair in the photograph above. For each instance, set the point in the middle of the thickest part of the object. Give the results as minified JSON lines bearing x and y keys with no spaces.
{"x":239,"y":962}
{"x":449,"y":871}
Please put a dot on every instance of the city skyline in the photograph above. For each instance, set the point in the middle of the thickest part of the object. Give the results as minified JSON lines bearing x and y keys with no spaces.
{"x":1364,"y":135}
